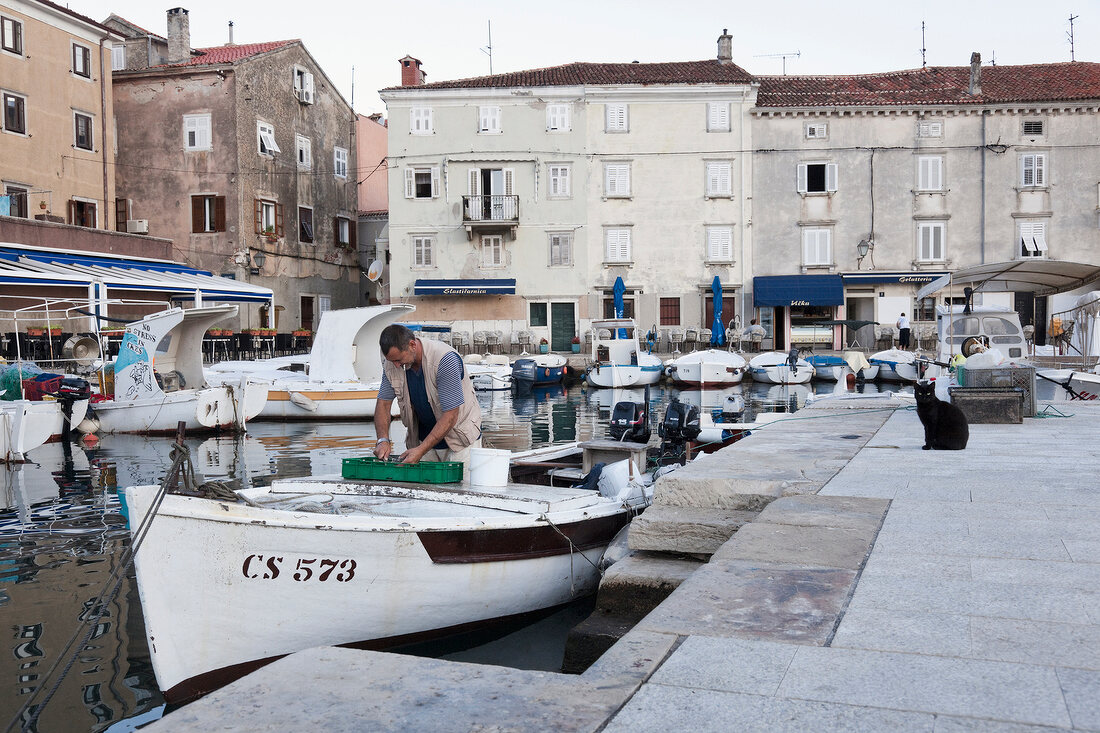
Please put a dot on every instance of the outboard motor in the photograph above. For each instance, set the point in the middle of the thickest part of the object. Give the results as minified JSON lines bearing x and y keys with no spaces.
{"x":681,"y":424}
{"x":629,"y":421}
{"x":71,"y":390}
{"x":523,"y":372}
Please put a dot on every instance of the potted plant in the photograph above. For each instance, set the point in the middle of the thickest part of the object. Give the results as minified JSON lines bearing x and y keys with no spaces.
{"x":576,"y":345}
{"x":303,"y":333}
{"x":55,"y":330}
{"x":269,"y":233}
{"x":36,"y":331}
{"x":544,"y":346}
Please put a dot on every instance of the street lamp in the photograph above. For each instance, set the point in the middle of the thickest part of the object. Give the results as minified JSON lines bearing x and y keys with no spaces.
{"x":863,"y":249}
{"x":258,"y":260}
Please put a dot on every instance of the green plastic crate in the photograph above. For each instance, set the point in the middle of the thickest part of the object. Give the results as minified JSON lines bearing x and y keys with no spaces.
{"x":425,"y":472}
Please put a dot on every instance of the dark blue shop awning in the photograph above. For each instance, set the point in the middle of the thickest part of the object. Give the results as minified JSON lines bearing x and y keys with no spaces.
{"x":498,"y":286}
{"x":788,"y":290}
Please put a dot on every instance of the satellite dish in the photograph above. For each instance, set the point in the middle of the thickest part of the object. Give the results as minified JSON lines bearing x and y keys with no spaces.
{"x":374,"y":271}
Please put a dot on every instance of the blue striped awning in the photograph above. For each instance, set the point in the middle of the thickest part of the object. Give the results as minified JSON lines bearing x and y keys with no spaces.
{"x":492,"y":286}
{"x":796,"y":290}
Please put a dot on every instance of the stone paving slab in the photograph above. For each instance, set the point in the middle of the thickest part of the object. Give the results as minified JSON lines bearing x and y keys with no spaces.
{"x":942,"y":634}
{"x":825,"y":511}
{"x":810,"y":547}
{"x":1081,"y":689}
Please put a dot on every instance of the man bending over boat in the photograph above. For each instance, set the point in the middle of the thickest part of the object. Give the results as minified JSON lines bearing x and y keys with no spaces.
{"x":434,"y":395}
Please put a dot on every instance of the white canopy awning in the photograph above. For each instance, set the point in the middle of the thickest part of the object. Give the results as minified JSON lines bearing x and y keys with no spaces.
{"x":23,"y":265}
{"x":1037,"y":276}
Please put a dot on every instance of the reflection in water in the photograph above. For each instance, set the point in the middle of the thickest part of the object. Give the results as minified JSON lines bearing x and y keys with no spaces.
{"x":62,"y":533}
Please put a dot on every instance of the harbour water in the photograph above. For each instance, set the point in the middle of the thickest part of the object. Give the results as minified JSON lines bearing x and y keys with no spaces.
{"x":63,"y":535}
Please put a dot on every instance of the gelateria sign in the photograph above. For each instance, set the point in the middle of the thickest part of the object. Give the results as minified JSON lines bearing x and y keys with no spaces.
{"x":905,"y":278}
{"x":495,"y":286}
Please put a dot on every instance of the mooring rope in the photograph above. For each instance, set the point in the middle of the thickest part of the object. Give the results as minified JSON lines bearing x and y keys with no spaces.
{"x":572,"y":550}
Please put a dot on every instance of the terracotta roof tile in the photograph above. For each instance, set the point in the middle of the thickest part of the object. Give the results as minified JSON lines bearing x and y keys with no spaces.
{"x":675,"y":72}
{"x":935,"y":85}
{"x":230,"y":54}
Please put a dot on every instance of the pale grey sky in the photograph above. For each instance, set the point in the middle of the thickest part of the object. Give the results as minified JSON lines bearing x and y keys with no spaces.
{"x":840,"y":37}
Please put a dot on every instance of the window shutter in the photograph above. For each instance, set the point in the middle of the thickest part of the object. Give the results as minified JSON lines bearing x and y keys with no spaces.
{"x":307,"y":86}
{"x":1040,"y":173}
{"x":483,"y":122}
{"x":197,"y":214}
{"x":258,"y":211}
{"x":435,"y":181}
{"x":353,"y":233}
{"x":719,"y":244}
{"x":509,"y":178}
{"x":410,"y":183}
{"x":1039,"y":234}
{"x":336,"y":230}
{"x":802,"y":178}
{"x":278,"y":220}
{"x":475,"y":181}
{"x":830,"y":176}
{"x":219,"y":213}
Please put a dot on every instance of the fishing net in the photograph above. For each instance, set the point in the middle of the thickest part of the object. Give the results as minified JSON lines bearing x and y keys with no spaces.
{"x":10,"y":378}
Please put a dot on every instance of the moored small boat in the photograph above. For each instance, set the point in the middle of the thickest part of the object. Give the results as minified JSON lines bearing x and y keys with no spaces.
{"x":538,"y":370}
{"x":831,"y":368}
{"x":710,"y":368}
{"x":488,"y":372}
{"x":895,"y":365}
{"x":771,"y":367}
{"x":617,"y":357}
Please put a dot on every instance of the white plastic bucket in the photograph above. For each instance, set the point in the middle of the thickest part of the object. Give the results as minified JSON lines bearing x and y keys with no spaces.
{"x":489,"y":467}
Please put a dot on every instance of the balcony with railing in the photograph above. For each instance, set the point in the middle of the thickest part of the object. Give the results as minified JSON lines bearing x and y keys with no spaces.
{"x":490,"y":213}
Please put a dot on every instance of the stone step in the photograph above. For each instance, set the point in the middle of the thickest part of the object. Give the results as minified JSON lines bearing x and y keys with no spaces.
{"x":686,"y":530}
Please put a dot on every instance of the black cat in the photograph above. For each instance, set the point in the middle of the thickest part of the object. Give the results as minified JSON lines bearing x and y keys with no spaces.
{"x":945,"y":425}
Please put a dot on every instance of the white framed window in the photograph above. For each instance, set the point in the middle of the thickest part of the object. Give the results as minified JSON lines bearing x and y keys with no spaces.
{"x":1033,"y":128}
{"x":340,"y":162}
{"x":930,"y":128}
{"x":817,"y":130}
{"x":196,"y":132}
{"x":118,"y":57}
{"x":931,"y":241}
{"x":719,"y":178}
{"x":558,"y":118}
{"x":83,"y":136}
{"x":617,"y":244}
{"x":422,"y":182}
{"x":269,"y":217}
{"x":423,"y":246}
{"x":15,"y":112}
{"x":616,"y":117}
{"x":817,"y":247}
{"x":488,"y":120}
{"x":930,"y":173}
{"x":1032,"y":238}
{"x":718,"y":116}
{"x":1033,"y":170}
{"x":492,"y":250}
{"x":616,"y":180}
{"x":817,"y":177}
{"x":720,"y":244}
{"x":82,"y":61}
{"x":11,"y":35}
{"x":561,"y":249}
{"x":305,"y":152}
{"x":420,"y":121}
{"x":265,"y":133}
{"x":561,"y":180}
{"x":303,"y":85}
{"x":343,"y":230}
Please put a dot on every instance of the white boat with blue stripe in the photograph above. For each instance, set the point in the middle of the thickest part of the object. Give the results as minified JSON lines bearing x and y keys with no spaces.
{"x":617,"y":356}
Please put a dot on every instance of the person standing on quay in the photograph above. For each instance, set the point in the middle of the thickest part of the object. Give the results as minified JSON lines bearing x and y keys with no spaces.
{"x":903,"y":332}
{"x":434,"y":395}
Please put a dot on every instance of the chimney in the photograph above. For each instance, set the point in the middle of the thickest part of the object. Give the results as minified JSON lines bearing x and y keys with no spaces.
{"x":975,"y":74}
{"x":179,"y":36}
{"x":411,"y":75}
{"x":230,"y":34}
{"x":725,"y":47}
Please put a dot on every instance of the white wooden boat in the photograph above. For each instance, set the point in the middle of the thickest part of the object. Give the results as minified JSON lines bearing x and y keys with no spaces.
{"x":339,"y":378}
{"x":25,"y":425}
{"x":539,"y":370}
{"x":617,"y":357}
{"x":895,"y":365}
{"x":707,"y":369}
{"x":832,"y":368}
{"x":771,"y":368}
{"x":227,"y":587}
{"x":488,"y":372}
{"x":171,"y":343}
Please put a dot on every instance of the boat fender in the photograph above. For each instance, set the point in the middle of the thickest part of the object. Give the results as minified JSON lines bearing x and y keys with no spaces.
{"x":88,"y":425}
{"x":302,"y":401}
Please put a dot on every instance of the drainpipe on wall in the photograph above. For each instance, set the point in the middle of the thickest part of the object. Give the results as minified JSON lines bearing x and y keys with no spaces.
{"x":103,"y":130}
{"x":981,"y":217}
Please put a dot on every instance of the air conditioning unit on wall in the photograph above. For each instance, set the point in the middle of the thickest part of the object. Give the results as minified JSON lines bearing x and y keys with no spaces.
{"x":137,"y":226}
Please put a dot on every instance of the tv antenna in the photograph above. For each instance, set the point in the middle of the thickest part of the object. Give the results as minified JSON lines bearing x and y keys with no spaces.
{"x":923,"y":50}
{"x":488,"y":50}
{"x":1070,"y":35}
{"x":784,"y":56}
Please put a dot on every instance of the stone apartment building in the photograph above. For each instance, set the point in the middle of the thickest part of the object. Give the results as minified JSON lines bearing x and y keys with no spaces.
{"x":56,"y":124}
{"x":245,"y":155}
{"x":517,"y":199}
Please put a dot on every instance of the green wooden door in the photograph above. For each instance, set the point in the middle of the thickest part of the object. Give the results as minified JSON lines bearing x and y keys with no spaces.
{"x":563,"y":326}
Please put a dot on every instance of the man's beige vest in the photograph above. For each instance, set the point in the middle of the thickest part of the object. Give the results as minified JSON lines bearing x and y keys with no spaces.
{"x":468,"y":427}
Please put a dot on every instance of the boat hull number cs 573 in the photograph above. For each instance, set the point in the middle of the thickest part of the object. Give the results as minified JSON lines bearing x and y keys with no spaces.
{"x":302,"y":569}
